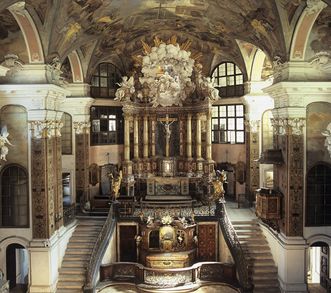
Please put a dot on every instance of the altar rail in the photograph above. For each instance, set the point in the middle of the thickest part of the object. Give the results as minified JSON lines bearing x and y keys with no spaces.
{"x":233,"y":243}
{"x":153,"y":278}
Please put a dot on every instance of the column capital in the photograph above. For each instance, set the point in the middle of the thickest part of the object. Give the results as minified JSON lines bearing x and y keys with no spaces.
{"x":81,"y":127}
{"x":45,"y":128}
{"x":287,"y":126}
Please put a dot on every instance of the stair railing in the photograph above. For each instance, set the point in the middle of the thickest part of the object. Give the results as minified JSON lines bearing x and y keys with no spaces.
{"x":233,"y":243}
{"x":98,"y":251}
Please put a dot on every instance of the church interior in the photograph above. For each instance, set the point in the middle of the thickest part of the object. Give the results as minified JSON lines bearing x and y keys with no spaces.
{"x":165,"y":146}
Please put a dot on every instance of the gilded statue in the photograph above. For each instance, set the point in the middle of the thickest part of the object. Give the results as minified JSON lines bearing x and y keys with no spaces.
{"x":218,"y":188}
{"x":115,"y":184}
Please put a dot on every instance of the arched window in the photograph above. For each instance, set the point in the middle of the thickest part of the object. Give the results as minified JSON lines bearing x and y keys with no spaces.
{"x":66,"y":134}
{"x":104,"y":81}
{"x":14,"y":197}
{"x":229,"y":80}
{"x":267,"y":131}
{"x":318,"y":203}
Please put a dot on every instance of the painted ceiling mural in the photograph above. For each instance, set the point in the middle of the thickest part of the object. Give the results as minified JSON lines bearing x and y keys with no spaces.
{"x":106,"y":30}
{"x":320,"y":37}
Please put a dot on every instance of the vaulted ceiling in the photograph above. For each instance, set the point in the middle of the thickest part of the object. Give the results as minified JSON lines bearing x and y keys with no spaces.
{"x":112,"y":30}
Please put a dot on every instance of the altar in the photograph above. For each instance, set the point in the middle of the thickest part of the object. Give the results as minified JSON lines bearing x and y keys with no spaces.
{"x":160,"y":188}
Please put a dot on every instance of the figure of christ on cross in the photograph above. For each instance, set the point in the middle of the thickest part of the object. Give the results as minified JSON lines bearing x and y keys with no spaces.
{"x":166,"y":122}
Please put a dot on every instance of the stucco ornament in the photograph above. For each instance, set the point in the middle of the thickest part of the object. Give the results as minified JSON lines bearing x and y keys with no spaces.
{"x":126,"y":89}
{"x":166,"y":73}
{"x":168,"y":76}
{"x":3,"y":141}
{"x":327,"y":134}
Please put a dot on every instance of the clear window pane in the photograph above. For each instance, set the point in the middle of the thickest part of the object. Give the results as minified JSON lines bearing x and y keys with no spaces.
{"x":112,"y":125}
{"x":222,"y":111}
{"x":223,"y":123}
{"x":215,"y":124}
{"x":111,"y":116}
{"x":223,"y":137}
{"x":239,"y":110}
{"x":222,"y":69}
{"x":230,"y":68}
{"x":239,"y":79}
{"x":103,"y":82}
{"x":232,"y":136}
{"x":231,"y":112}
{"x":230,"y":80}
{"x":222,"y":81}
{"x":240,"y":123}
{"x":240,"y":137}
{"x":103,"y":69}
{"x":95,"y":125}
{"x":231,"y":124}
{"x":215,"y":111}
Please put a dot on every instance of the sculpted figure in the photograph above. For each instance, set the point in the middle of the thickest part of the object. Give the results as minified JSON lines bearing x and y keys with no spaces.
{"x":327,"y":134}
{"x":3,"y":141}
{"x":126,"y":89}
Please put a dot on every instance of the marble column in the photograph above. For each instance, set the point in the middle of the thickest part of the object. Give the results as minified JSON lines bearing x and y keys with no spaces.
{"x":145,"y":137}
{"x":136,"y":138}
{"x":126,"y":137}
{"x":189,"y":136}
{"x":198,"y":137}
{"x":208,"y":138}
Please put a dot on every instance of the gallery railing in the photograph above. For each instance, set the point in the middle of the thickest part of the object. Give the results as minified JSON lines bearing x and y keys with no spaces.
{"x":69,"y":214}
{"x":152,"y":278}
{"x":98,"y":252}
{"x":233,"y":243}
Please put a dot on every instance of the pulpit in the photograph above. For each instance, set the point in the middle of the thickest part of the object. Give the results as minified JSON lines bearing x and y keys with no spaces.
{"x":268,"y":204}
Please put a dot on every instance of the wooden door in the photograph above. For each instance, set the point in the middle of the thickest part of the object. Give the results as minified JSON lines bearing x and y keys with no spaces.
{"x":207,"y":244}
{"x":127,"y":248}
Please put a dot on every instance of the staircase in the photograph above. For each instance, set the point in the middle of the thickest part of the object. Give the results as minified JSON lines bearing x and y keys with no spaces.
{"x":261,"y":266}
{"x":72,"y":273}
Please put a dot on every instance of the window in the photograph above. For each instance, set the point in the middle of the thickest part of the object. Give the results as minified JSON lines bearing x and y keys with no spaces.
{"x":14,"y":197}
{"x":106,"y":125}
{"x":229,"y":80}
{"x":66,"y":134}
{"x":318,"y":204}
{"x":267,"y":131}
{"x":228,"y":124}
{"x":104,"y":81}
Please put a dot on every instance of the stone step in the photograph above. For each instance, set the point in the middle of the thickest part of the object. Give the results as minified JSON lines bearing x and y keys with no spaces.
{"x":84,"y":239}
{"x":93,"y":234}
{"x":258,"y":249}
{"x":257,"y":233}
{"x":79,"y":251}
{"x":263,"y":269}
{"x":80,"y":244}
{"x":73,"y":271}
{"x":267,"y":290}
{"x":74,"y":264}
{"x":265,"y":276}
{"x":244,"y":222}
{"x":68,"y":291}
{"x":248,"y":228}
{"x":76,"y":257}
{"x":266,"y":283}
{"x":70,"y":285}
{"x":72,"y":278}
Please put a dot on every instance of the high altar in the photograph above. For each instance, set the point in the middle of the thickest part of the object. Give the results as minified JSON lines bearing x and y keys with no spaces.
{"x":167,"y":123}
{"x":167,"y":146}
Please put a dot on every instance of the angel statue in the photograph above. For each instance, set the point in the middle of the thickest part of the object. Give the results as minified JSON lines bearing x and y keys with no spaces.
{"x":3,"y":141}
{"x":126,"y":89}
{"x":115,"y":184}
{"x":327,"y":134}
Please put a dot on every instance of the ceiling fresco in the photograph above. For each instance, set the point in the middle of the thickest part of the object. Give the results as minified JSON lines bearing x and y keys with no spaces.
{"x":113,"y":29}
{"x":320,"y":37}
{"x":11,"y":38}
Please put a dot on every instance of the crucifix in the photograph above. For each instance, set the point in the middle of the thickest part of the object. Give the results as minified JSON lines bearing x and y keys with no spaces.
{"x":166,"y":122}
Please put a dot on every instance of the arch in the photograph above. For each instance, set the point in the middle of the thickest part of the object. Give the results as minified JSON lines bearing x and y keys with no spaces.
{"x":29,"y":31}
{"x":318,"y":238}
{"x":14,"y":196}
{"x":257,"y":65}
{"x":303,"y":29}
{"x":76,"y":67}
